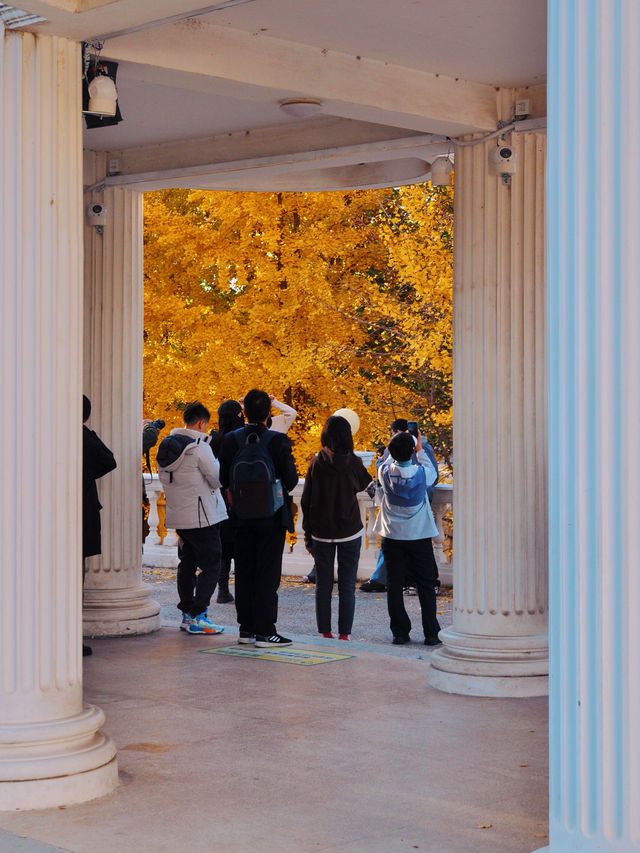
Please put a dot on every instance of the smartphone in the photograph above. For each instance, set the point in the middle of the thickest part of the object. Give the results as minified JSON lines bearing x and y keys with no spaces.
{"x":412,"y":427}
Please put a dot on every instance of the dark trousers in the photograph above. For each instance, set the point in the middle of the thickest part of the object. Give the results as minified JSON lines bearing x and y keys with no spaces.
{"x":348,"y":558}
{"x":414,"y":558}
{"x":228,"y":547}
{"x":200,"y":549}
{"x":258,"y":566}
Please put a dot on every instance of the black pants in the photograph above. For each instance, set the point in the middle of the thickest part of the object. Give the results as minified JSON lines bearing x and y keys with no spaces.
{"x":200,"y":549}
{"x":258,"y":564}
{"x":348,"y":557}
{"x":412,"y":557}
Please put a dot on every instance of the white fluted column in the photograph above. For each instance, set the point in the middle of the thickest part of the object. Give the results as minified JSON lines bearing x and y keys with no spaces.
{"x":51,"y":749}
{"x":497,"y":645}
{"x":116,"y":601}
{"x":594,"y":416}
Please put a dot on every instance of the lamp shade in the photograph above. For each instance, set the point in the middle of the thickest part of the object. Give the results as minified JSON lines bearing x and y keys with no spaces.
{"x":103,"y":96}
{"x":441,"y":169}
{"x":350,"y":416}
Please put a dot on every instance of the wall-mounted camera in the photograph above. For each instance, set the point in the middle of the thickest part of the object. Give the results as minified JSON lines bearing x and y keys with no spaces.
{"x":502,"y":160}
{"x":97,"y":215}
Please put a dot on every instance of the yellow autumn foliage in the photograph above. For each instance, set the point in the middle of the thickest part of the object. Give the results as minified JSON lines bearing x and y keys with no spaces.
{"x":323,"y":299}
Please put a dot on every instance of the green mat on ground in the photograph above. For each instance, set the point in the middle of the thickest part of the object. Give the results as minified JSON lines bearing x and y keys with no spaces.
{"x":299,"y":657}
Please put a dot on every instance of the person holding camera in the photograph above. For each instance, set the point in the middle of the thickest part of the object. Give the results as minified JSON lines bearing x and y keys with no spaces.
{"x":378,"y":580}
{"x":405,"y":523}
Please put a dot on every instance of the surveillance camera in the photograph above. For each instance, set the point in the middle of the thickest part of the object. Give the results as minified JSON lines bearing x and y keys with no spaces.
{"x":502,"y":160}
{"x":97,"y":213}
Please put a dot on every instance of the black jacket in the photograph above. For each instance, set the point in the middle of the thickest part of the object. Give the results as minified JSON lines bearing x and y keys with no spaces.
{"x":97,"y":460}
{"x":285,"y":468}
{"x":329,"y":501}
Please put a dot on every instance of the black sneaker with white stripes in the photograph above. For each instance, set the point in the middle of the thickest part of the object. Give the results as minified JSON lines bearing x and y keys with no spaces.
{"x":263,"y":642}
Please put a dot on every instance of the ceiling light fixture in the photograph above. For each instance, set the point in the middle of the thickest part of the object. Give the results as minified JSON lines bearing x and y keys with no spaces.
{"x":301,"y":107}
{"x":99,"y":91}
{"x":103,"y":96}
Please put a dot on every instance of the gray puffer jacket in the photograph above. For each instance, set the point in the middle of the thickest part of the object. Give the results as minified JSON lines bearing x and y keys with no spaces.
{"x":189,"y":473}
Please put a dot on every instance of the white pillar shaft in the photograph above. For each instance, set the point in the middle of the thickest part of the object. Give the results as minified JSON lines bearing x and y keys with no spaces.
{"x":594,"y":414}
{"x":51,"y":751}
{"x":497,"y":644}
{"x":116,"y":600}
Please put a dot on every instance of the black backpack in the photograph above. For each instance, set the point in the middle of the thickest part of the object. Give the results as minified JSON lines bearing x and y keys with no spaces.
{"x":255,"y":491}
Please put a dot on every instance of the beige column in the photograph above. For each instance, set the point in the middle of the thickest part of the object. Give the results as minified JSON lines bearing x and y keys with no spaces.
{"x":497,"y":645}
{"x":116,"y":601}
{"x":51,"y":749}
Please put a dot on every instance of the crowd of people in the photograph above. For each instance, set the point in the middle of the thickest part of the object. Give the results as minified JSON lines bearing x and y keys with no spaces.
{"x":228,"y":496}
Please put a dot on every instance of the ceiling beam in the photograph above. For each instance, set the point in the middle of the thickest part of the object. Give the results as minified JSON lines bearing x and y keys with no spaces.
{"x":381,"y":163}
{"x":349,"y":86}
{"x":283,"y":140}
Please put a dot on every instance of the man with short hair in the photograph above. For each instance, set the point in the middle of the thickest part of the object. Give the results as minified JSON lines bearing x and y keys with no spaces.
{"x":189,"y":473}
{"x":378,"y":580}
{"x":260,"y":540}
{"x":405,"y":523}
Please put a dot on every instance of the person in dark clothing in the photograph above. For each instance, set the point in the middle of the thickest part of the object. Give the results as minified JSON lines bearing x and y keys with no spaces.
{"x":260,"y":541}
{"x":97,"y":460}
{"x":150,"y":434}
{"x":230,"y":418}
{"x":332,"y":522}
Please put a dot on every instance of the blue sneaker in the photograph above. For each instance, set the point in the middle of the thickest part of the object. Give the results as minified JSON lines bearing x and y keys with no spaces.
{"x":185,"y":621}
{"x":202,"y":625}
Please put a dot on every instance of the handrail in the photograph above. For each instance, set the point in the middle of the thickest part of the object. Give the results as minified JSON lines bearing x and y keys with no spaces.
{"x":160,"y":549}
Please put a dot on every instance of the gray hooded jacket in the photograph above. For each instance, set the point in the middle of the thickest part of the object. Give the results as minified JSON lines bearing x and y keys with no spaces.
{"x":189,"y":473}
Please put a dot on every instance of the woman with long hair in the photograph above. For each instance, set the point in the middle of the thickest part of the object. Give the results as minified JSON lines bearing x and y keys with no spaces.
{"x":332,"y":522}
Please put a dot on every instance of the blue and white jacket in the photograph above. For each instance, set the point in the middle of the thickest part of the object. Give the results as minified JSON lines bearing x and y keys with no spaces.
{"x":405,"y":511}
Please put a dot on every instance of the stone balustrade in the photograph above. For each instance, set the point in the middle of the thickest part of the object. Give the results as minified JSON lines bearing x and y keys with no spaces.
{"x":160,"y":547}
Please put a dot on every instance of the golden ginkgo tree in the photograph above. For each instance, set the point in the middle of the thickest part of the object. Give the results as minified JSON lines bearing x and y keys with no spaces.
{"x":323,"y":299}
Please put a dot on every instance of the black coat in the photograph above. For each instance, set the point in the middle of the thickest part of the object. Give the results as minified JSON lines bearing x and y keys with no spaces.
{"x":329,"y":498}
{"x":97,"y":460}
{"x":285,"y":467}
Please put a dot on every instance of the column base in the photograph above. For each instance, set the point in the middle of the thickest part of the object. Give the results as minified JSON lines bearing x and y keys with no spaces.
{"x":119,"y":612}
{"x":478,"y":665}
{"x":62,"y":762}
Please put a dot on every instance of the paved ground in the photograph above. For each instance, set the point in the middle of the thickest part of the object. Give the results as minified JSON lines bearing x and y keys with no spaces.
{"x":221,"y":753}
{"x":296,"y":614}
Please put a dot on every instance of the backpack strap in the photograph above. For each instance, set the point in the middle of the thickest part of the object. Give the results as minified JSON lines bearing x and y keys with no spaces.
{"x":242,"y":436}
{"x":265,"y":438}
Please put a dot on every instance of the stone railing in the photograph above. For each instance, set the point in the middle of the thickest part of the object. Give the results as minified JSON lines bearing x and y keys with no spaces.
{"x":160,"y":547}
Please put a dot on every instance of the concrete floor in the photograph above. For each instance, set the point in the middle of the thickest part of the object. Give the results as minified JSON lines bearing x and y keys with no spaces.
{"x":220,"y":754}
